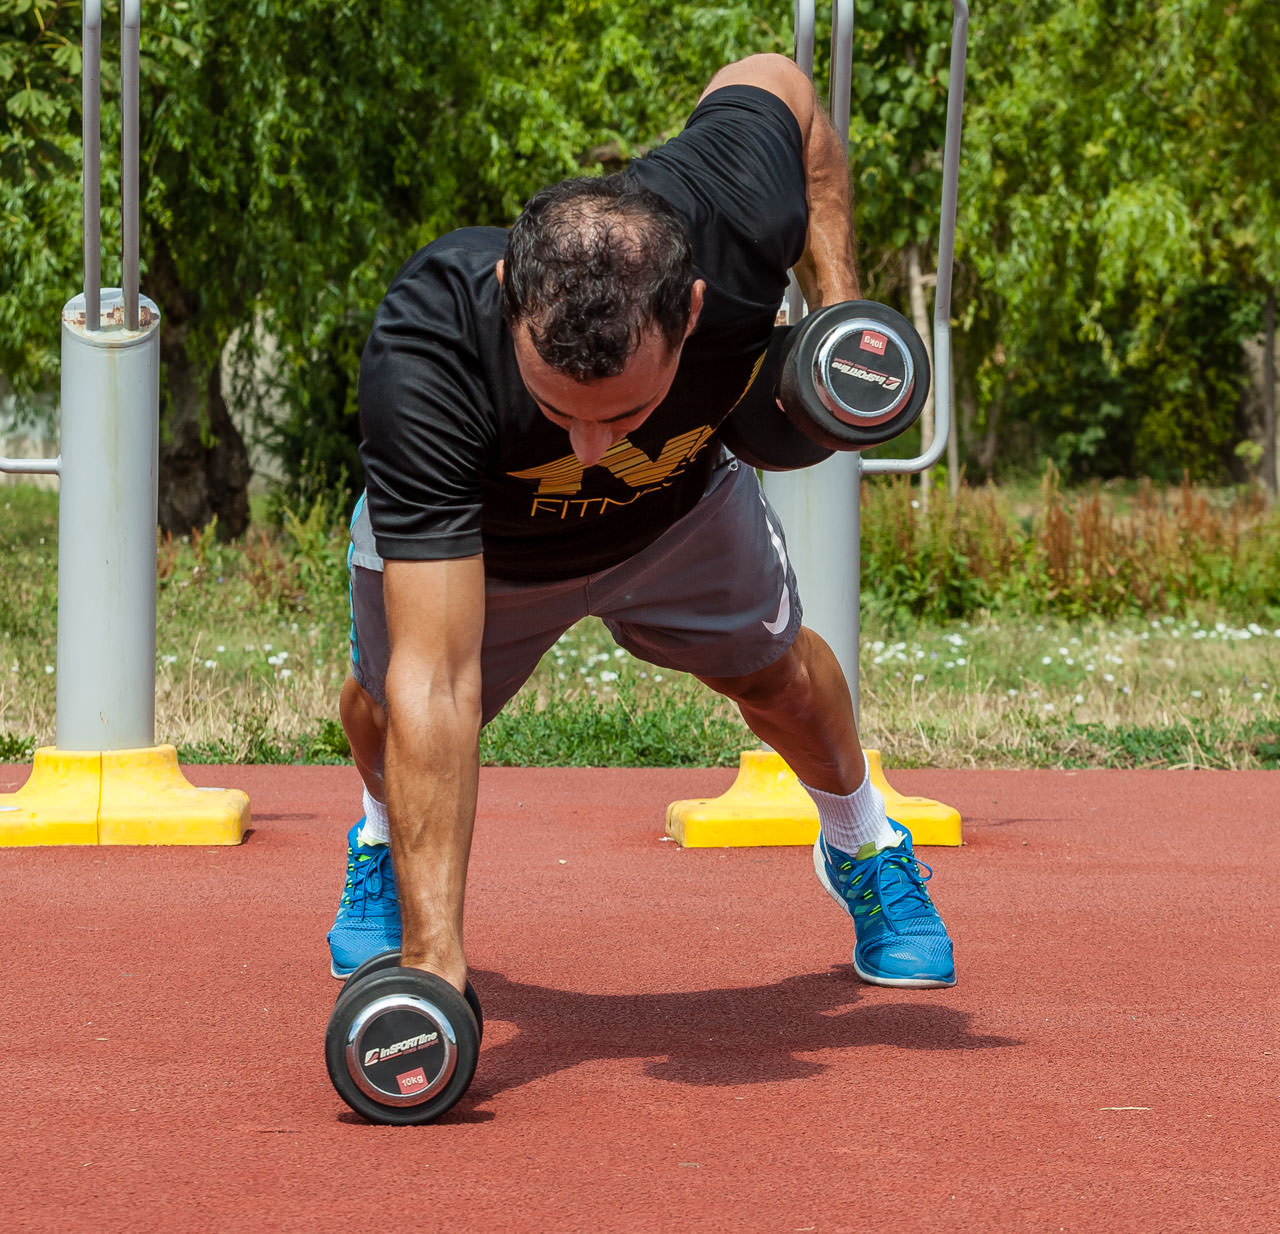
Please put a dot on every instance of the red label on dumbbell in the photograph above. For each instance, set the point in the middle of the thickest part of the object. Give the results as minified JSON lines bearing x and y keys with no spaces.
{"x":412,"y":1082}
{"x":873,"y":342}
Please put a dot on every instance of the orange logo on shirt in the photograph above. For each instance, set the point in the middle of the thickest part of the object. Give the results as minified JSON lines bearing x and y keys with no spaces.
{"x":561,"y":480}
{"x":631,"y":465}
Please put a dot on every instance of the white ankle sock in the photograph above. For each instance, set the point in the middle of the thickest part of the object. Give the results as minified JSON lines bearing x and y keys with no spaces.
{"x":376,"y":829}
{"x":850,"y":822}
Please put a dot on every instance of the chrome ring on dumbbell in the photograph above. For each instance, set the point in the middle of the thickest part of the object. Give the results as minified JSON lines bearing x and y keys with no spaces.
{"x":401,"y":1050}
{"x":855,"y":375}
{"x":863,"y":372}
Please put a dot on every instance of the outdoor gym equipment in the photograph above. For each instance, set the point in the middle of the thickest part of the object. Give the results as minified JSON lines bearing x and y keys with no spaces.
{"x":820,"y":509}
{"x":105,"y":781}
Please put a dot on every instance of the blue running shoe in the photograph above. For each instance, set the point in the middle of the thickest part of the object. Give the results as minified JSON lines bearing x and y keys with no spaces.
{"x":901,"y":940}
{"x":368,"y":920}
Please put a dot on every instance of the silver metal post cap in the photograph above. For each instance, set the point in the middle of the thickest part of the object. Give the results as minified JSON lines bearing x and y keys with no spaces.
{"x":112,"y":331}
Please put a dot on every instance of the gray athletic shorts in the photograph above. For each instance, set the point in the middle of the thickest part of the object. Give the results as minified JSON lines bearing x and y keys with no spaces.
{"x":714,"y":595}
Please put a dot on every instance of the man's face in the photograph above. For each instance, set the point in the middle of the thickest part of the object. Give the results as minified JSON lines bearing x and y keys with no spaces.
{"x":599,"y":414}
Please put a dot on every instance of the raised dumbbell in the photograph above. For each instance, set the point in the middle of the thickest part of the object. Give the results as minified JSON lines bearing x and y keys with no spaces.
{"x":852,"y":376}
{"x":855,"y":375}
{"x":402,"y":1044}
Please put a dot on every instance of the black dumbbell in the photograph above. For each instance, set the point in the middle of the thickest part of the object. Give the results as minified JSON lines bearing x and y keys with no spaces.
{"x":758,"y":431}
{"x":855,"y":375}
{"x":850,"y":376}
{"x":402,"y":1044}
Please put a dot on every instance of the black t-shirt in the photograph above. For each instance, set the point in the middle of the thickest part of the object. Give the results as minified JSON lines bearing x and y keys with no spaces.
{"x":458,"y":458}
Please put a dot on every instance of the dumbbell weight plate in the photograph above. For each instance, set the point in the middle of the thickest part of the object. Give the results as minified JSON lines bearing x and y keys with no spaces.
{"x":856,"y":374}
{"x":391,"y":959}
{"x":401,"y":1046}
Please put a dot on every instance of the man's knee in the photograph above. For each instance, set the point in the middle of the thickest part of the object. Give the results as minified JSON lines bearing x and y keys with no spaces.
{"x":359,"y":709}
{"x":775,"y":684}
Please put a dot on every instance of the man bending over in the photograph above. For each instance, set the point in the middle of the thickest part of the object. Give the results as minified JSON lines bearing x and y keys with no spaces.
{"x":540,"y":412}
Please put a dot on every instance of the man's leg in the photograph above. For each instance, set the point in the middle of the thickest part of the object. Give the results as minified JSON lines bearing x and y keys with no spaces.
{"x":364,"y":720}
{"x":367,"y":922}
{"x":801,"y":707}
{"x":716,"y":597}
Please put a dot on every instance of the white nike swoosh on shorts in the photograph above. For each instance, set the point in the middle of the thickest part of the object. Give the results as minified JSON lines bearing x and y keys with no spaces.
{"x":779,"y":623}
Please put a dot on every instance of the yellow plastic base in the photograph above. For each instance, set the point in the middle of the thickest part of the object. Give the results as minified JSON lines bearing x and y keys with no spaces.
{"x":766,"y":806}
{"x":118,"y":797}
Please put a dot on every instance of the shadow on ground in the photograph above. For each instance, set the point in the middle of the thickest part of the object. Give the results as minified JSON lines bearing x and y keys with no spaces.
{"x":754,"y":1035}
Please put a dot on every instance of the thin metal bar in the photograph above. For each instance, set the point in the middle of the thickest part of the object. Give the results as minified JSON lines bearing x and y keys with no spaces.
{"x":946,"y":260}
{"x":130,"y":43}
{"x":841,"y":96}
{"x":951,"y":161}
{"x":31,"y":466}
{"x":805,"y":23}
{"x":91,"y":129}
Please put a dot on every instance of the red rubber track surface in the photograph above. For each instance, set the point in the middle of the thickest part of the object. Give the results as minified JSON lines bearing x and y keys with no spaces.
{"x":674,"y":1039}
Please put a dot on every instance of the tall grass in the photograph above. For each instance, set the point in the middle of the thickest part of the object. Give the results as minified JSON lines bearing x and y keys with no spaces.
{"x":1088,"y":628}
{"x":1080,"y":555}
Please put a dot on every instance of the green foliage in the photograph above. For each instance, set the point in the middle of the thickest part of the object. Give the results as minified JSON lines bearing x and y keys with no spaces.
{"x":1193,"y":743}
{"x":900,"y":76}
{"x":955,"y":562}
{"x":300,"y":565}
{"x":1169,"y":407}
{"x":1118,"y":207}
{"x":252,"y":740}
{"x":1120,"y":218}
{"x":15,"y":749}
{"x":39,"y":188}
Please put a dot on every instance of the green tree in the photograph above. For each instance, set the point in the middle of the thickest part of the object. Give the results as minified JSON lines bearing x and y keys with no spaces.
{"x":293,"y":157}
{"x":1121,"y":207}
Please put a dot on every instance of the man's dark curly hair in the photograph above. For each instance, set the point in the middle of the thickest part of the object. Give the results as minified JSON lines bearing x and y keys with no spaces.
{"x":590,"y":266}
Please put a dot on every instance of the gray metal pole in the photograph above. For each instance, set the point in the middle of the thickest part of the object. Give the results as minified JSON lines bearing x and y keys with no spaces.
{"x":91,"y":130}
{"x":130,"y":39}
{"x":107,"y":529}
{"x":109,"y":460}
{"x":805,"y":23}
{"x":840,"y":94}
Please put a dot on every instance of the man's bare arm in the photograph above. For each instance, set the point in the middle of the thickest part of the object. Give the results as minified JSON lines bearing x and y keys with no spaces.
{"x":827,"y":272}
{"x":435,"y":621}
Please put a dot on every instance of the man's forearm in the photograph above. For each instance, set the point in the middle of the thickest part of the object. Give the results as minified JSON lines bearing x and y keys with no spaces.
{"x":827,"y":273}
{"x":432,"y":772}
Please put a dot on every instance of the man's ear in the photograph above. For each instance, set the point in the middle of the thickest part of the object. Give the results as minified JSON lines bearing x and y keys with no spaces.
{"x":695,"y":305}
{"x":499,"y":268}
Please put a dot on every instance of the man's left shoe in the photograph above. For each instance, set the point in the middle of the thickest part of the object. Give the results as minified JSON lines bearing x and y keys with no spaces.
{"x":368,"y":917}
{"x":901,"y":940}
